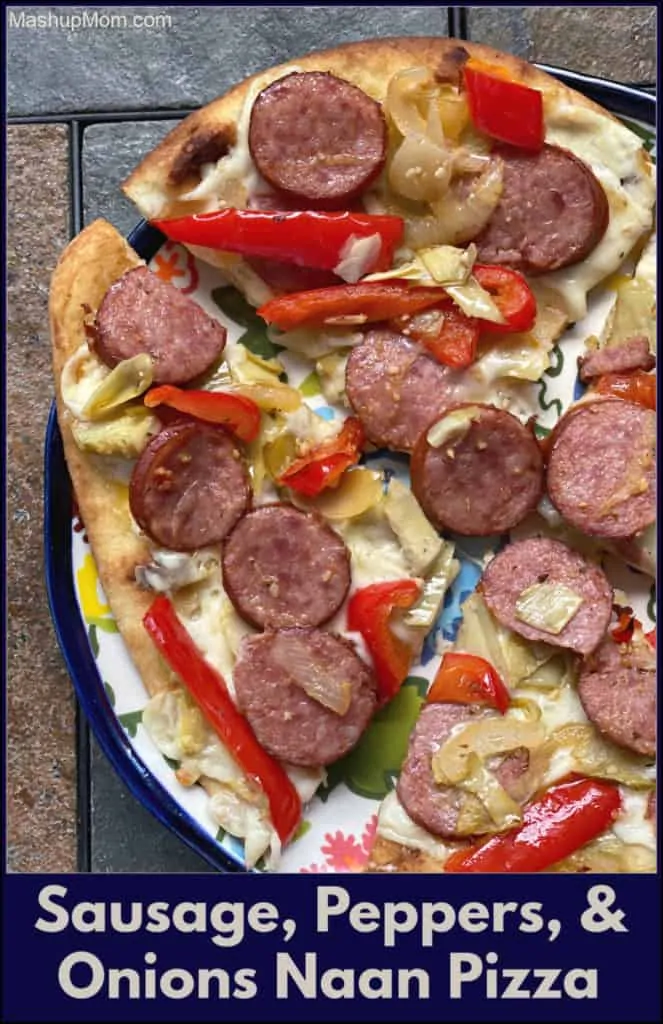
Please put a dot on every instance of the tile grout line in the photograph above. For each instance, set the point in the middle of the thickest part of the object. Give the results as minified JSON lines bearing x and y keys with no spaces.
{"x":458,"y":26}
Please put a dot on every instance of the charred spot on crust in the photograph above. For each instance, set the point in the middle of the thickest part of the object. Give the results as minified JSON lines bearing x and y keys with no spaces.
{"x":202,"y":148}
{"x":451,"y":65}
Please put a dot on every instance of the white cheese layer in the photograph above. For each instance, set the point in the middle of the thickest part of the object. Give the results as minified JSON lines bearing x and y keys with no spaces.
{"x":646,"y":268}
{"x":81,"y":376}
{"x":633,"y":826}
{"x":236,"y":166}
{"x":395,"y":824}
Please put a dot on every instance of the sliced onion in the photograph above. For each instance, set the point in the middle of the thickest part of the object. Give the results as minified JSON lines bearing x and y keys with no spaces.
{"x":319,"y":683}
{"x":463,"y":214}
{"x":451,"y":763}
{"x":503,"y":810}
{"x":271,"y":397}
{"x":403,"y":90}
{"x":359,"y":491}
{"x":466,"y":162}
{"x":595,"y":756}
{"x":454,"y":112}
{"x":420,"y":168}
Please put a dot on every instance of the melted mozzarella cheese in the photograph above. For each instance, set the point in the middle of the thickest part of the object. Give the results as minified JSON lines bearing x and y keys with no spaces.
{"x":213,"y":624}
{"x":615,"y":155}
{"x":395,"y":824}
{"x":646,"y":268}
{"x":81,"y":376}
{"x":633,"y":826}
{"x":237,"y":165}
{"x":375,"y":554}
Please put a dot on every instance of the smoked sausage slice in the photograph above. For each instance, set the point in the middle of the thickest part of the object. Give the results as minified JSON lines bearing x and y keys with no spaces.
{"x":617,"y":688}
{"x":552,"y":212}
{"x":283,"y":567}
{"x":189,"y":486}
{"x":289,"y":723}
{"x":436,"y":807}
{"x":396,"y":388}
{"x":525,"y":563}
{"x":483,"y":477}
{"x":141,"y":313}
{"x":601,"y":473}
{"x":317,"y":137}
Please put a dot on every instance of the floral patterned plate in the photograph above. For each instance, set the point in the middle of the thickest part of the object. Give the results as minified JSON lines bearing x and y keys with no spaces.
{"x":337,"y":832}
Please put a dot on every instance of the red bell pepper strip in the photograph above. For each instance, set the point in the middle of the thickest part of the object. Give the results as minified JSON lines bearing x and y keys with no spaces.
{"x":467,"y":679}
{"x":504,"y":109}
{"x":239,"y":414}
{"x":447,"y":333}
{"x":650,"y":637}
{"x":209,"y":691}
{"x":623,"y":632}
{"x":638,"y":387}
{"x":560,"y":821}
{"x":512,"y":296}
{"x":369,"y":611}
{"x":371,"y":300}
{"x":308,"y":238}
{"x":323,"y":466}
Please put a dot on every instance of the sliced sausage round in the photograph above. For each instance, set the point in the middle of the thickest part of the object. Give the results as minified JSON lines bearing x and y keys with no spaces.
{"x":617,"y":688}
{"x":552,"y":212}
{"x":435,"y":807}
{"x":289,"y":723}
{"x":601,"y":473}
{"x":525,"y":563}
{"x":141,"y":313}
{"x":283,"y":567}
{"x":317,"y":137}
{"x":631,"y":354}
{"x":396,"y":388}
{"x":288,"y":277}
{"x":189,"y":486}
{"x":483,"y":477}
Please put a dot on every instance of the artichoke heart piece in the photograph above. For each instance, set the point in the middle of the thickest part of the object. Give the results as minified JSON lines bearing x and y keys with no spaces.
{"x":420,"y":542}
{"x":443,"y":572}
{"x":451,"y":763}
{"x":595,"y":756}
{"x":124,"y":435}
{"x":548,"y":606}
{"x":475,"y":300}
{"x":126,"y":381}
{"x":448,"y":264}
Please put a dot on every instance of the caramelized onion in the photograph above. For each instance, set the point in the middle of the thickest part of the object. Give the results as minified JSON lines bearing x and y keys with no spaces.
{"x":451,"y":763}
{"x":401,"y":103}
{"x":293,"y":655}
{"x":462,"y":213}
{"x":420,"y":168}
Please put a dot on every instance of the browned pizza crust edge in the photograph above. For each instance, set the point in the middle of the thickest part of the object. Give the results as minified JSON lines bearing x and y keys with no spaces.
{"x":87,"y":268}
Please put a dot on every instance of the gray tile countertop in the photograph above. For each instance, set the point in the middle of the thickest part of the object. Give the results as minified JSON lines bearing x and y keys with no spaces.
{"x":61,"y":66}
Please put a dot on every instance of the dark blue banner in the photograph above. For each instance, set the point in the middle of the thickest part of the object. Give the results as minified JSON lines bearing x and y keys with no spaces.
{"x":369,"y":947}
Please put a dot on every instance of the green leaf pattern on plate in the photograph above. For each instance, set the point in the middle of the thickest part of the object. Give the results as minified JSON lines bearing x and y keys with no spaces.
{"x":370,"y":769}
{"x":238,"y":309}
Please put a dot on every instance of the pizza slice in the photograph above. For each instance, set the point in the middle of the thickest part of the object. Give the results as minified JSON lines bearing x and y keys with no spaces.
{"x":463,"y":142}
{"x":253,"y":597}
{"x":418,"y":251}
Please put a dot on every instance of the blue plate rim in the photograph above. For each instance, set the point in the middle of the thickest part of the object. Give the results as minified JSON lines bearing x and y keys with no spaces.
{"x":72,"y":638}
